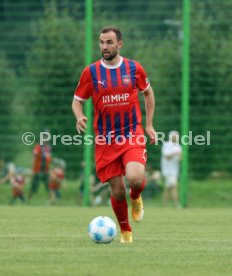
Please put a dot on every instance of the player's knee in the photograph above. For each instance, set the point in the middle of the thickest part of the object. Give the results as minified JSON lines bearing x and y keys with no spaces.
{"x":118,"y":194}
{"x":135,"y":180}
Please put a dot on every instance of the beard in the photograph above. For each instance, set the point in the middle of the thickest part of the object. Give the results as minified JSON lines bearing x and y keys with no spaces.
{"x":110,"y":56}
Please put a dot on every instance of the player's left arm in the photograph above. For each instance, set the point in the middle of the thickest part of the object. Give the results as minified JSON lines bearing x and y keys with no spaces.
{"x":149,"y":100}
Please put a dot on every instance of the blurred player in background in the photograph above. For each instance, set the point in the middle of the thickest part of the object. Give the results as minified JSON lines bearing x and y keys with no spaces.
{"x":100,"y":193}
{"x":40,"y":169}
{"x":170,"y":167}
{"x":55,"y":179}
{"x":17,"y":181}
{"x":113,"y":83}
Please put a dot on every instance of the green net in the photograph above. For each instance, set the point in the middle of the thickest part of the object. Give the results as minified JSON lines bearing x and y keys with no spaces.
{"x":42,"y":56}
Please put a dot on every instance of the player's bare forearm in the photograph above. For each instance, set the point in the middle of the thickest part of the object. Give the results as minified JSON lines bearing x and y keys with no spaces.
{"x":149,"y":100}
{"x":77,"y":108}
{"x":149,"y":105}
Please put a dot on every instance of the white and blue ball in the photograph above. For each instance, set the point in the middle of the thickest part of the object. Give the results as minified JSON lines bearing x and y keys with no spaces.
{"x":102,"y":229}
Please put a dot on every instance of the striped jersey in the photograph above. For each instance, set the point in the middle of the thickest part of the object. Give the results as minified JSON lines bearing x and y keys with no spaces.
{"x":114,"y":92}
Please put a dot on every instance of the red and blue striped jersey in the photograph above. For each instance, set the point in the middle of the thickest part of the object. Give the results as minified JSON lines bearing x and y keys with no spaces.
{"x":114,"y":91}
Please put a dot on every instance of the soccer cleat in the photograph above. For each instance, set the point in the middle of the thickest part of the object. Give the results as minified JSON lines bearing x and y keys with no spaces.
{"x":137,"y":209}
{"x":126,"y":237}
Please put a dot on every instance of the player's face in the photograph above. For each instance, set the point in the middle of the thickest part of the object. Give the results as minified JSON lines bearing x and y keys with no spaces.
{"x":175,"y":138}
{"x":109,"y":45}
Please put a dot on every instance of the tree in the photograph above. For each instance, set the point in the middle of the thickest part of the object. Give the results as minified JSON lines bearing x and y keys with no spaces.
{"x":210,"y":84}
{"x":8,"y":86}
{"x":54,"y":64}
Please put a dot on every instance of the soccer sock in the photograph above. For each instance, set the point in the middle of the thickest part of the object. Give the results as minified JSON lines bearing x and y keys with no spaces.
{"x":121,"y":211}
{"x":135,"y":193}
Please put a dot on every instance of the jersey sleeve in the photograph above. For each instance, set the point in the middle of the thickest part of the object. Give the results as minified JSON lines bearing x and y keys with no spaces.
{"x":84,"y":88}
{"x":142,"y":79}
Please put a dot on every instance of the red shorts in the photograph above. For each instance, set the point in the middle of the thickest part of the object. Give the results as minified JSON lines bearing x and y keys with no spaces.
{"x":54,"y":186}
{"x":112,"y":159}
{"x":16,"y":192}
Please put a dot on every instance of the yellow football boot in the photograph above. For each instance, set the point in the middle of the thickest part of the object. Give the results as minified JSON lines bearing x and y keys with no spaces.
{"x":137,"y":209}
{"x":126,"y":237}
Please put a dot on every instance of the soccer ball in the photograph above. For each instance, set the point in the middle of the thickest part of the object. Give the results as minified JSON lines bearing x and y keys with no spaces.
{"x":102,"y":229}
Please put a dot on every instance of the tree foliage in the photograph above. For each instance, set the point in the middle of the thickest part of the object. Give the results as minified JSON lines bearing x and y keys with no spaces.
{"x":8,"y":87}
{"x":54,"y":64}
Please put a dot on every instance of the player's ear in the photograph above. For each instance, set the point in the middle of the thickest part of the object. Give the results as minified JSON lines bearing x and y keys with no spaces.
{"x":120,"y":44}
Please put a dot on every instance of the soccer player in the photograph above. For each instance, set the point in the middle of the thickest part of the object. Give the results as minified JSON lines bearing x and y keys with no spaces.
{"x":113,"y":82}
{"x":55,"y":180}
{"x":17,"y":181}
{"x":41,"y":164}
{"x":170,"y":166}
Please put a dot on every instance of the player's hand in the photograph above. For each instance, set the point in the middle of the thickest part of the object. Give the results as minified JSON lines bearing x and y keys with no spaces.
{"x":151,"y":134}
{"x":81,"y":124}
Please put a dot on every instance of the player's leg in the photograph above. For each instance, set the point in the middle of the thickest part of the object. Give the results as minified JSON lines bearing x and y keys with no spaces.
{"x":22,"y":198}
{"x":45,"y":177}
{"x":34,"y":184}
{"x":166,"y":191}
{"x":172,"y":184}
{"x":52,"y":196}
{"x":119,"y":205}
{"x":110,"y":168}
{"x":134,"y":161}
{"x":165,"y":196}
{"x":58,"y":193}
{"x":135,"y":173}
{"x":174,"y":194}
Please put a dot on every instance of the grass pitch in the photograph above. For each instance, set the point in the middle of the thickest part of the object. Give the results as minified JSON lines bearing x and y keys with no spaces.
{"x":54,"y":241}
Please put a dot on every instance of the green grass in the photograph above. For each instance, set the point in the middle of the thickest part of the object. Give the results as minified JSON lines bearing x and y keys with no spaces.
{"x":53,"y":241}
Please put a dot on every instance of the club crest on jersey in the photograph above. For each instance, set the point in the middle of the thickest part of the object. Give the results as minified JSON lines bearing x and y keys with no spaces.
{"x":126,"y":79}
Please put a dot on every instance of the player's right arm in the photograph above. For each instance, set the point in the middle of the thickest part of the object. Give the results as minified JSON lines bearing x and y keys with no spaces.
{"x":81,"y":119}
{"x":82,"y":93}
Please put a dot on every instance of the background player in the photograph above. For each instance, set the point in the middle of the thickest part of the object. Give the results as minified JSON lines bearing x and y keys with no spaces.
{"x":113,"y":83}
{"x":170,"y":166}
{"x":55,"y":179}
{"x":40,"y":169}
{"x":17,"y":181}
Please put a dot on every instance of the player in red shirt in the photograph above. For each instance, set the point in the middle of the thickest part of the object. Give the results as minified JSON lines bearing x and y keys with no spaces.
{"x":40,"y":168}
{"x":55,"y":180}
{"x":17,"y":181}
{"x":113,"y":83}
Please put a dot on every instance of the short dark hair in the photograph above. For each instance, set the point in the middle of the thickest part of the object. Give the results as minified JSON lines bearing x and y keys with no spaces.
{"x":114,"y":29}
